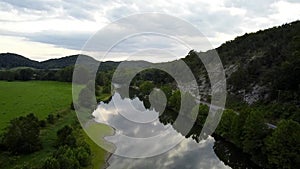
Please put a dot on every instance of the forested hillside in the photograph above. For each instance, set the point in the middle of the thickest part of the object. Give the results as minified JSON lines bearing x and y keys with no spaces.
{"x":11,"y":60}
{"x":264,"y":65}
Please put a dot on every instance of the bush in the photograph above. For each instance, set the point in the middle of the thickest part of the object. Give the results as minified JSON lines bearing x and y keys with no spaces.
{"x":66,"y":158}
{"x":83,"y":156}
{"x":22,"y":135}
{"x":51,"y":119}
{"x":42,"y":123}
{"x":51,"y":163}
{"x":72,"y":107}
{"x":65,"y":136}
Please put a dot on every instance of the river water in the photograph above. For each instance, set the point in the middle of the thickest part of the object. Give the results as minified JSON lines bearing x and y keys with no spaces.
{"x":171,"y":150}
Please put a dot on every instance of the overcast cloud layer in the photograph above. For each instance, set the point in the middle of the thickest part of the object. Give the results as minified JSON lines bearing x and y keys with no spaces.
{"x":53,"y":28}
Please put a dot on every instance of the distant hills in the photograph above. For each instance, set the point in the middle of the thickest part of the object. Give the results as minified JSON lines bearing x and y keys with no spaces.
{"x":11,"y":60}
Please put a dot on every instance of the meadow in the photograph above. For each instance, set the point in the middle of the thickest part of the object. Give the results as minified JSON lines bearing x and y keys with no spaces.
{"x":42,"y":98}
{"x":39,"y":97}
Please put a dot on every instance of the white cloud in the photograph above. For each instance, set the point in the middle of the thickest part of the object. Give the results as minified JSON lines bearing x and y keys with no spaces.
{"x":34,"y":50}
{"x":286,"y":11}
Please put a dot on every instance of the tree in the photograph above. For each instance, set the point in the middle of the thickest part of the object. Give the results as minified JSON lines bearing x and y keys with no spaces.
{"x":106,"y":88}
{"x":225,"y":125}
{"x":146,"y":87}
{"x":283,"y":146}
{"x":22,"y":135}
{"x":25,"y":74}
{"x":237,"y":127}
{"x":66,"y":158}
{"x":51,"y":163}
{"x":65,"y":136}
{"x":83,"y":156}
{"x":255,"y":131}
{"x":50,"y":119}
{"x":65,"y":74}
{"x":101,"y":79}
{"x":202,"y":114}
{"x":175,"y":100}
{"x":167,"y":90}
{"x":42,"y":123}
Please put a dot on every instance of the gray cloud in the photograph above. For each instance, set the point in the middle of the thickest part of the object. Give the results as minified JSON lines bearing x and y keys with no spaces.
{"x":218,"y":21}
{"x":254,"y":7}
{"x":69,"y":40}
{"x":32,"y":4}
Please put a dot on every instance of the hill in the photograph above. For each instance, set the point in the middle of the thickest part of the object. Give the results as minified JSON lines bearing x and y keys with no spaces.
{"x":11,"y":60}
{"x":263,"y":65}
{"x":59,"y":62}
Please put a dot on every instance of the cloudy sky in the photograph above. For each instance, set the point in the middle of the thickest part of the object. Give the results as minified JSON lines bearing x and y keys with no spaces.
{"x":54,"y":28}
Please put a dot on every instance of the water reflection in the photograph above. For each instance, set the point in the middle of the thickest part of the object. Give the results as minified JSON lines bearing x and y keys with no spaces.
{"x":186,"y":154}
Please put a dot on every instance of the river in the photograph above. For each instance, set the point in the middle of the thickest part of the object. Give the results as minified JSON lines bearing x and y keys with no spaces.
{"x":170,"y":150}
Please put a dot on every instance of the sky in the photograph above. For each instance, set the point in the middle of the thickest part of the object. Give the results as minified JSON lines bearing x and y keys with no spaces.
{"x":46,"y":29}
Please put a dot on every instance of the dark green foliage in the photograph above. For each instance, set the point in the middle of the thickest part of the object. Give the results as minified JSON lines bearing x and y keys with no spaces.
{"x":255,"y":131}
{"x":102,"y":79}
{"x":158,"y":77}
{"x":22,"y":135}
{"x":24,"y":166}
{"x":59,"y":63}
{"x":65,"y":74}
{"x":66,"y":136}
{"x":175,"y":100}
{"x":225,"y":125}
{"x":167,"y":91}
{"x":83,"y":156}
{"x":51,"y":119}
{"x":8,"y":75}
{"x":237,"y":127}
{"x":21,"y":74}
{"x":283,"y":146}
{"x":72,"y":106}
{"x":42,"y":123}
{"x":25,"y":74}
{"x":106,"y":89}
{"x":10,"y":60}
{"x":72,"y":150}
{"x":66,"y":158}
{"x":202,"y":114}
{"x":239,"y":80}
{"x":70,"y":158}
{"x":146,"y":87}
{"x":51,"y":163}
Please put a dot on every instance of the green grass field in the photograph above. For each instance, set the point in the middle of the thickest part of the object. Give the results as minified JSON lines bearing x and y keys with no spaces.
{"x":42,"y":98}
{"x":38,"y":97}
